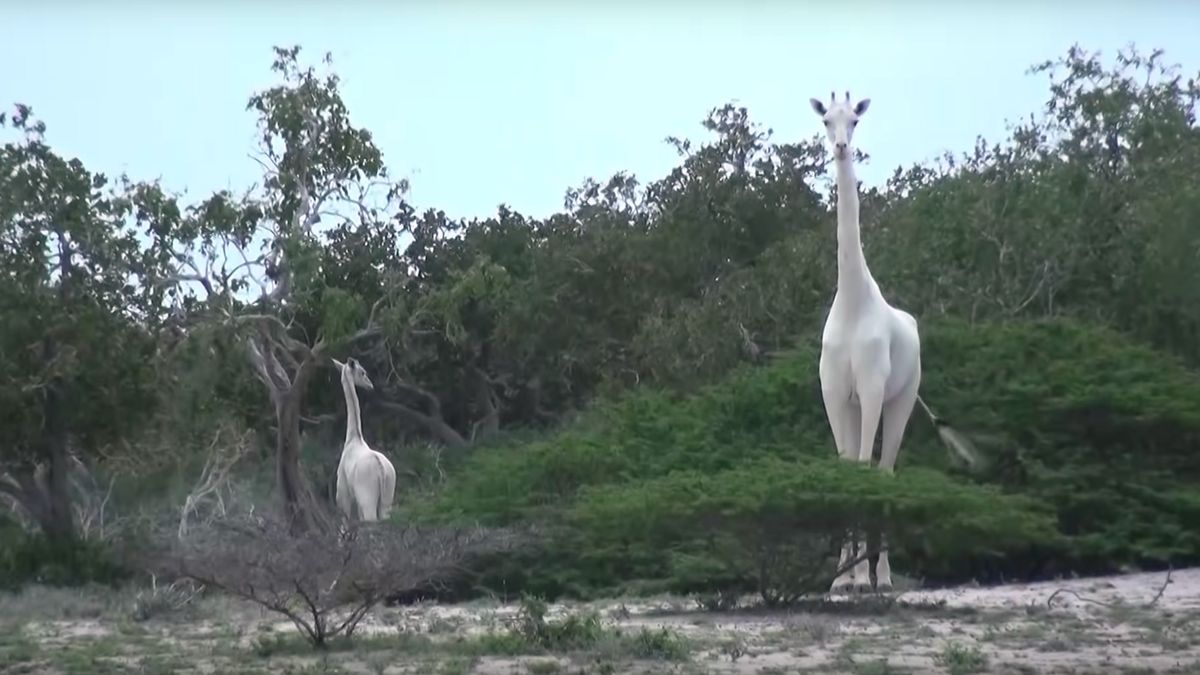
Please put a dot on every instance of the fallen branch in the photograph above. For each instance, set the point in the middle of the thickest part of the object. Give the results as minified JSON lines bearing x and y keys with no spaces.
{"x":1154,"y":601}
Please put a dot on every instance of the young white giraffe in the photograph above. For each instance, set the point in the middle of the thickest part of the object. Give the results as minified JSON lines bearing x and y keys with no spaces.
{"x":364,"y":477}
{"x":870,"y":363}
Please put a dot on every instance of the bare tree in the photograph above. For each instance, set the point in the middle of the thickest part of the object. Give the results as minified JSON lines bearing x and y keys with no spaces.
{"x":214,"y":483}
{"x":325,"y":581}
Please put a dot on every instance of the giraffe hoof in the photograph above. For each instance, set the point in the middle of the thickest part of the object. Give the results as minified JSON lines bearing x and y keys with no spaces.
{"x":863,"y":588}
{"x":841,"y":587}
{"x":883,"y":588}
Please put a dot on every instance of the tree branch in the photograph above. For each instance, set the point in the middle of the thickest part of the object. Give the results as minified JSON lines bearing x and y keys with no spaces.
{"x":265,"y":372}
{"x":435,"y":425}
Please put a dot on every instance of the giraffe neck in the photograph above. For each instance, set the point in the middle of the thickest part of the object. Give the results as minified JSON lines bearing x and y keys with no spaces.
{"x":353,"y":418}
{"x":853,"y":275}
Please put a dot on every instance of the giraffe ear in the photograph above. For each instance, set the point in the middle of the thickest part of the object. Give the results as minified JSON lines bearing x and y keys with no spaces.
{"x":862,"y":106}
{"x":337,"y":363}
{"x":817,"y":106}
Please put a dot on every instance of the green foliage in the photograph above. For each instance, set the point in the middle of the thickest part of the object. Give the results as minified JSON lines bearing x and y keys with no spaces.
{"x":1082,"y":418}
{"x":776,"y":524}
{"x":961,"y":660}
{"x":1087,"y":209}
{"x":342,"y":313}
{"x":650,"y":306}
{"x":82,"y":304}
{"x":71,"y":258}
{"x":575,"y":631}
{"x":736,"y":486}
{"x":662,"y":644}
{"x":33,"y":558}
{"x":533,"y":633}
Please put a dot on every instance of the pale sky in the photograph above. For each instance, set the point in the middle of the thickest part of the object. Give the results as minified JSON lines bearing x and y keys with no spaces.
{"x":480,"y":103}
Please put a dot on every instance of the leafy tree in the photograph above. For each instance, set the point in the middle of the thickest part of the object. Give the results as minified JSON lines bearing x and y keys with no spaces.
{"x":80,"y":261}
{"x":1086,"y":210}
{"x":317,"y":166}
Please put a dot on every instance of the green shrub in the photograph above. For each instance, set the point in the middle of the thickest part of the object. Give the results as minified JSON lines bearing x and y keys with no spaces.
{"x":1086,"y":420}
{"x":532,"y":633}
{"x":763,"y":411}
{"x":576,"y":631}
{"x":774,"y":526}
{"x":1086,"y":431}
{"x":29,"y":558}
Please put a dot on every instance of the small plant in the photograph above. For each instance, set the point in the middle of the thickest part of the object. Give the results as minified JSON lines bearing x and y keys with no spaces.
{"x":161,"y":600}
{"x":734,"y":649}
{"x":719,"y":601}
{"x":818,"y":630}
{"x":18,"y":652}
{"x":439,"y":624}
{"x":457,"y":666}
{"x":845,"y":654}
{"x":543,"y":667}
{"x":960,"y":659}
{"x":574,"y":632}
{"x":879,"y":667}
{"x":661,"y":644}
{"x":532,"y":632}
{"x":506,"y":644}
{"x":271,"y":644}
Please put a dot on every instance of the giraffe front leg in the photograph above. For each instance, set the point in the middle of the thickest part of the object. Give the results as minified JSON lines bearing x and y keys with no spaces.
{"x":870,"y":396}
{"x":844,"y":419}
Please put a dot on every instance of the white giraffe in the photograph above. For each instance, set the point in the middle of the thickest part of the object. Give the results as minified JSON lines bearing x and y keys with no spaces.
{"x":870,"y":351}
{"x":365,"y":477}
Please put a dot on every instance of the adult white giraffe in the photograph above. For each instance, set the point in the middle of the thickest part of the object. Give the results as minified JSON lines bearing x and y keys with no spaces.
{"x":365,"y":477}
{"x":870,"y":364}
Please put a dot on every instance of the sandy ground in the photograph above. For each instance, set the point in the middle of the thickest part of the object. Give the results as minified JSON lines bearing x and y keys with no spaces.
{"x":1124,"y":624}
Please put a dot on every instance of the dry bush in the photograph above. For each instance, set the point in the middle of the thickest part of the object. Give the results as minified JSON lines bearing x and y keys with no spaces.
{"x":211,"y":491}
{"x":324,"y":581}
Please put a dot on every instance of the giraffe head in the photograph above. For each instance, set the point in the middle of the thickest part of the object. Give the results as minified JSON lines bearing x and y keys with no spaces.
{"x":354,"y":371}
{"x":840,"y":118}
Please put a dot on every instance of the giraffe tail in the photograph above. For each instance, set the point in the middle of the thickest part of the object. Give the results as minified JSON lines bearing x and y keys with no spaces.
{"x":954,"y":440}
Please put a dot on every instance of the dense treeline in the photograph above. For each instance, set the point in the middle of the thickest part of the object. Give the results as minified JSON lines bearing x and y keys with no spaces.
{"x":646,"y":356}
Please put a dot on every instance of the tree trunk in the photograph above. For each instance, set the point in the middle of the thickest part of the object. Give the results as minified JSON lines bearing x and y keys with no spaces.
{"x":486,"y":400}
{"x":28,"y":489}
{"x":59,"y":522}
{"x":57,"y":517}
{"x":287,"y":393}
{"x":300,"y":505}
{"x":297,"y":500}
{"x":44,"y":491}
